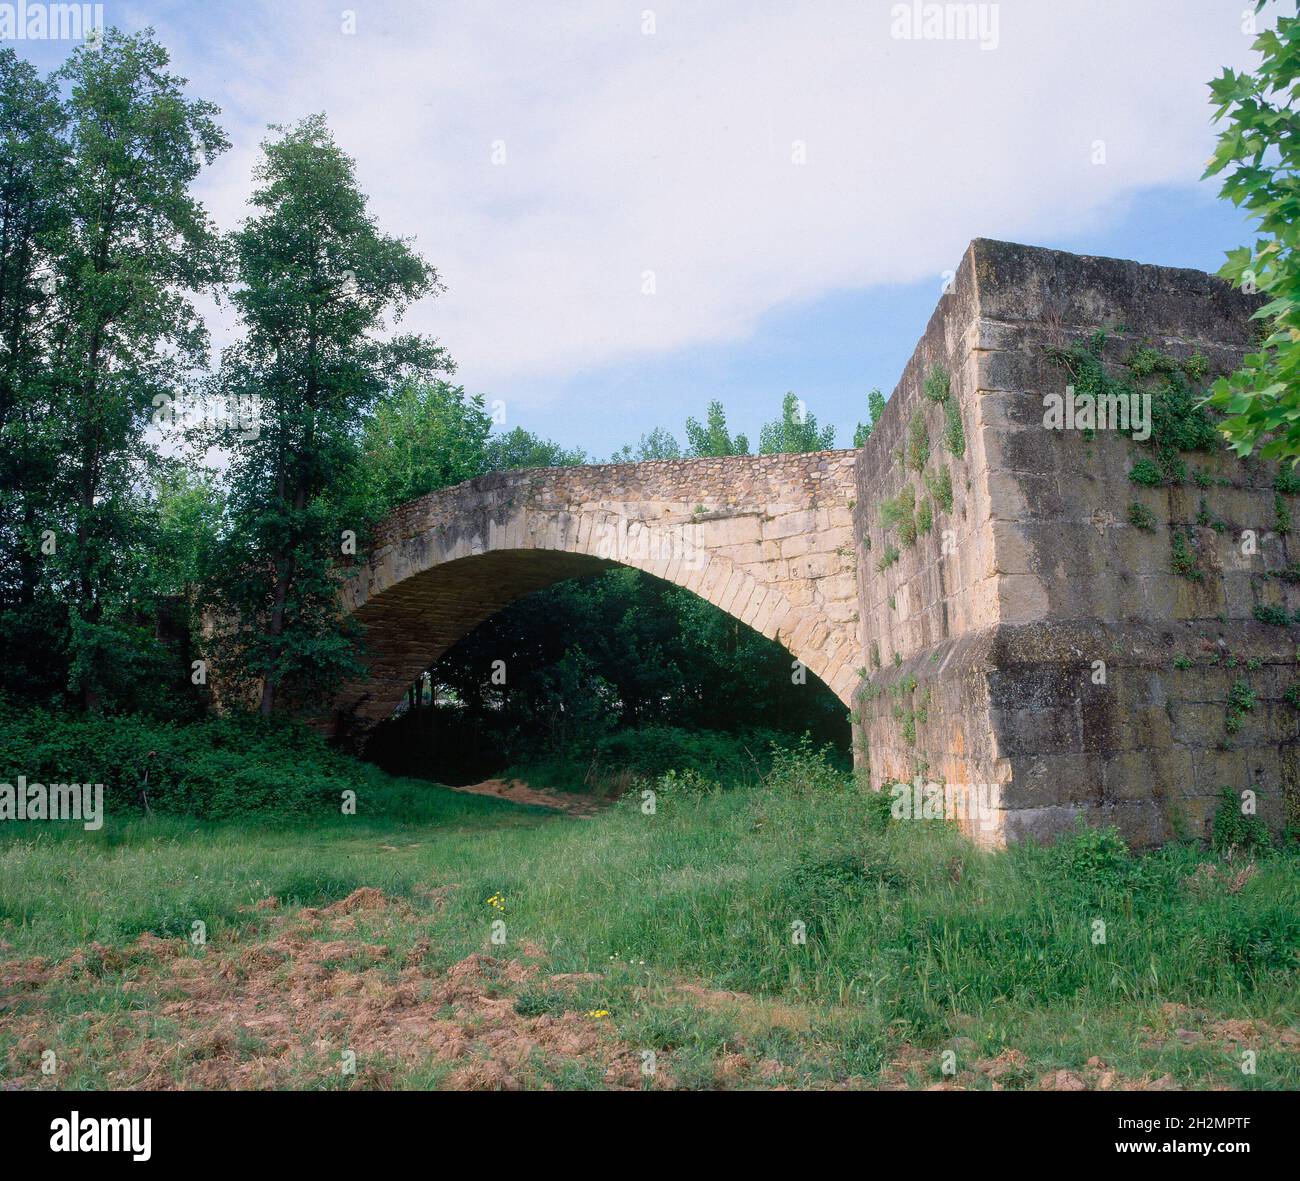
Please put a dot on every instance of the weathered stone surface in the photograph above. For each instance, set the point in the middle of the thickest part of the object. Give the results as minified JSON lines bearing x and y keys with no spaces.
{"x":1048,"y":634}
{"x":763,"y":537}
{"x":1032,"y":648}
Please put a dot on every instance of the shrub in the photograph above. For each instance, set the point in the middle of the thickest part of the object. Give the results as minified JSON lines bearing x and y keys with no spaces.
{"x":937,"y":384}
{"x":924,"y":516}
{"x":213,"y":769}
{"x":1241,"y":701}
{"x":803,"y":768}
{"x":954,"y":434}
{"x":1146,"y":473}
{"x":899,"y":513}
{"x":1234,"y":829}
{"x":688,"y":782}
{"x":652,"y":752}
{"x":1092,"y":854}
{"x":1272,"y":613}
{"x":814,"y":891}
{"x":939,"y":486}
{"x":1183,"y":556}
{"x":1282,"y":515}
{"x":1287,"y":481}
{"x":918,"y":442}
{"x":1141,"y":517}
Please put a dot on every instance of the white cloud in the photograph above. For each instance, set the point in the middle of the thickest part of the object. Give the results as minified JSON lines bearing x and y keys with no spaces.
{"x":672,"y":152}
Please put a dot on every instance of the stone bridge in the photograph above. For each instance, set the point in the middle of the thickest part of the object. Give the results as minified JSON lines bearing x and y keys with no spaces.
{"x":1011,"y":616}
{"x":768,"y":539}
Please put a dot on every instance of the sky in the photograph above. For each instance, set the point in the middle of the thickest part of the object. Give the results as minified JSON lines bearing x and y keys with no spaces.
{"x":637,"y":208}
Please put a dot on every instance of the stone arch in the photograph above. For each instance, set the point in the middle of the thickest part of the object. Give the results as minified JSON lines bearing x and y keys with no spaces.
{"x":761,"y":538}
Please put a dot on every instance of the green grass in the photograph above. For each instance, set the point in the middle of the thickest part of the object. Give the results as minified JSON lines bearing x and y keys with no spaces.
{"x":913,"y":937}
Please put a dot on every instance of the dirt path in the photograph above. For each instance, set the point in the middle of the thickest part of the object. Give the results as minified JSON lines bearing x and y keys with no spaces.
{"x":518,"y":792}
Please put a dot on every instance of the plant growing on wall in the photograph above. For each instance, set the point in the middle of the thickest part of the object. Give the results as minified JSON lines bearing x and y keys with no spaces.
{"x":918,"y":442}
{"x":899,"y":513}
{"x":939,"y":486}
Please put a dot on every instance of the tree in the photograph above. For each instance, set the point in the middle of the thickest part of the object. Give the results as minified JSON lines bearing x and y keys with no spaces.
{"x":422,"y":437}
{"x":32,"y":213}
{"x":876,"y":407}
{"x":796,"y":430}
{"x":132,"y":246}
{"x":713,"y":438}
{"x":656,"y":444}
{"x":523,"y":449}
{"x":1260,"y":149}
{"x":317,"y":284}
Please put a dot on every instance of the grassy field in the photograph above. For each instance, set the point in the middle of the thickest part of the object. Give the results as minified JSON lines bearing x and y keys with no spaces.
{"x":639,"y":951}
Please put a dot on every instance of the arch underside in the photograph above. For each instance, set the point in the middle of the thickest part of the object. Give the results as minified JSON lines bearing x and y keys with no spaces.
{"x":411,"y":620}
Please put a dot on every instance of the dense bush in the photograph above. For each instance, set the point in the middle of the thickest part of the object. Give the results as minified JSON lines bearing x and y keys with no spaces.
{"x":213,"y":769}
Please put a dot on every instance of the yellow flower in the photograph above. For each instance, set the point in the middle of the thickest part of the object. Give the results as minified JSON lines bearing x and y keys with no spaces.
{"x":598,"y":1013}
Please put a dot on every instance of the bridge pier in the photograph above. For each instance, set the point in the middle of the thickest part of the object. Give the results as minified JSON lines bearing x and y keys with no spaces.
{"x":1043,"y":641}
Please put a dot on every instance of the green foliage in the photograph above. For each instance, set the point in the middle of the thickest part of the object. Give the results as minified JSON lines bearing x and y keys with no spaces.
{"x":1090,"y":855}
{"x":899,"y":514}
{"x":937,"y":384}
{"x":523,"y":449}
{"x":954,"y":434}
{"x":1272,"y":614}
{"x":213,"y":769}
{"x":1258,"y":152}
{"x":939,"y":485}
{"x":1179,"y":420}
{"x":1184,"y":557}
{"x":803,"y":767}
{"x":875,"y":407}
{"x":918,"y":442}
{"x":796,"y":430}
{"x":1281,"y":515}
{"x":924,"y":516}
{"x":102,"y":249}
{"x":713,"y":438}
{"x":1147,"y":473}
{"x":888,"y":558}
{"x":656,"y":444}
{"x":317,"y":357}
{"x":1241,"y":701}
{"x":1141,"y":517}
{"x":1234,"y":829}
{"x":1287,"y":481}
{"x":819,"y":890}
{"x":422,"y":437}
{"x":1205,"y":519}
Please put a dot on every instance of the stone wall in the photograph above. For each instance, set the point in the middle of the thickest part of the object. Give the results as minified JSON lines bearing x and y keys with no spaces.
{"x":1036,"y":641}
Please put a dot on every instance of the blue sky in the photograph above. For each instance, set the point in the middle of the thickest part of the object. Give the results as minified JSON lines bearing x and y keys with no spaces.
{"x":795,"y":178}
